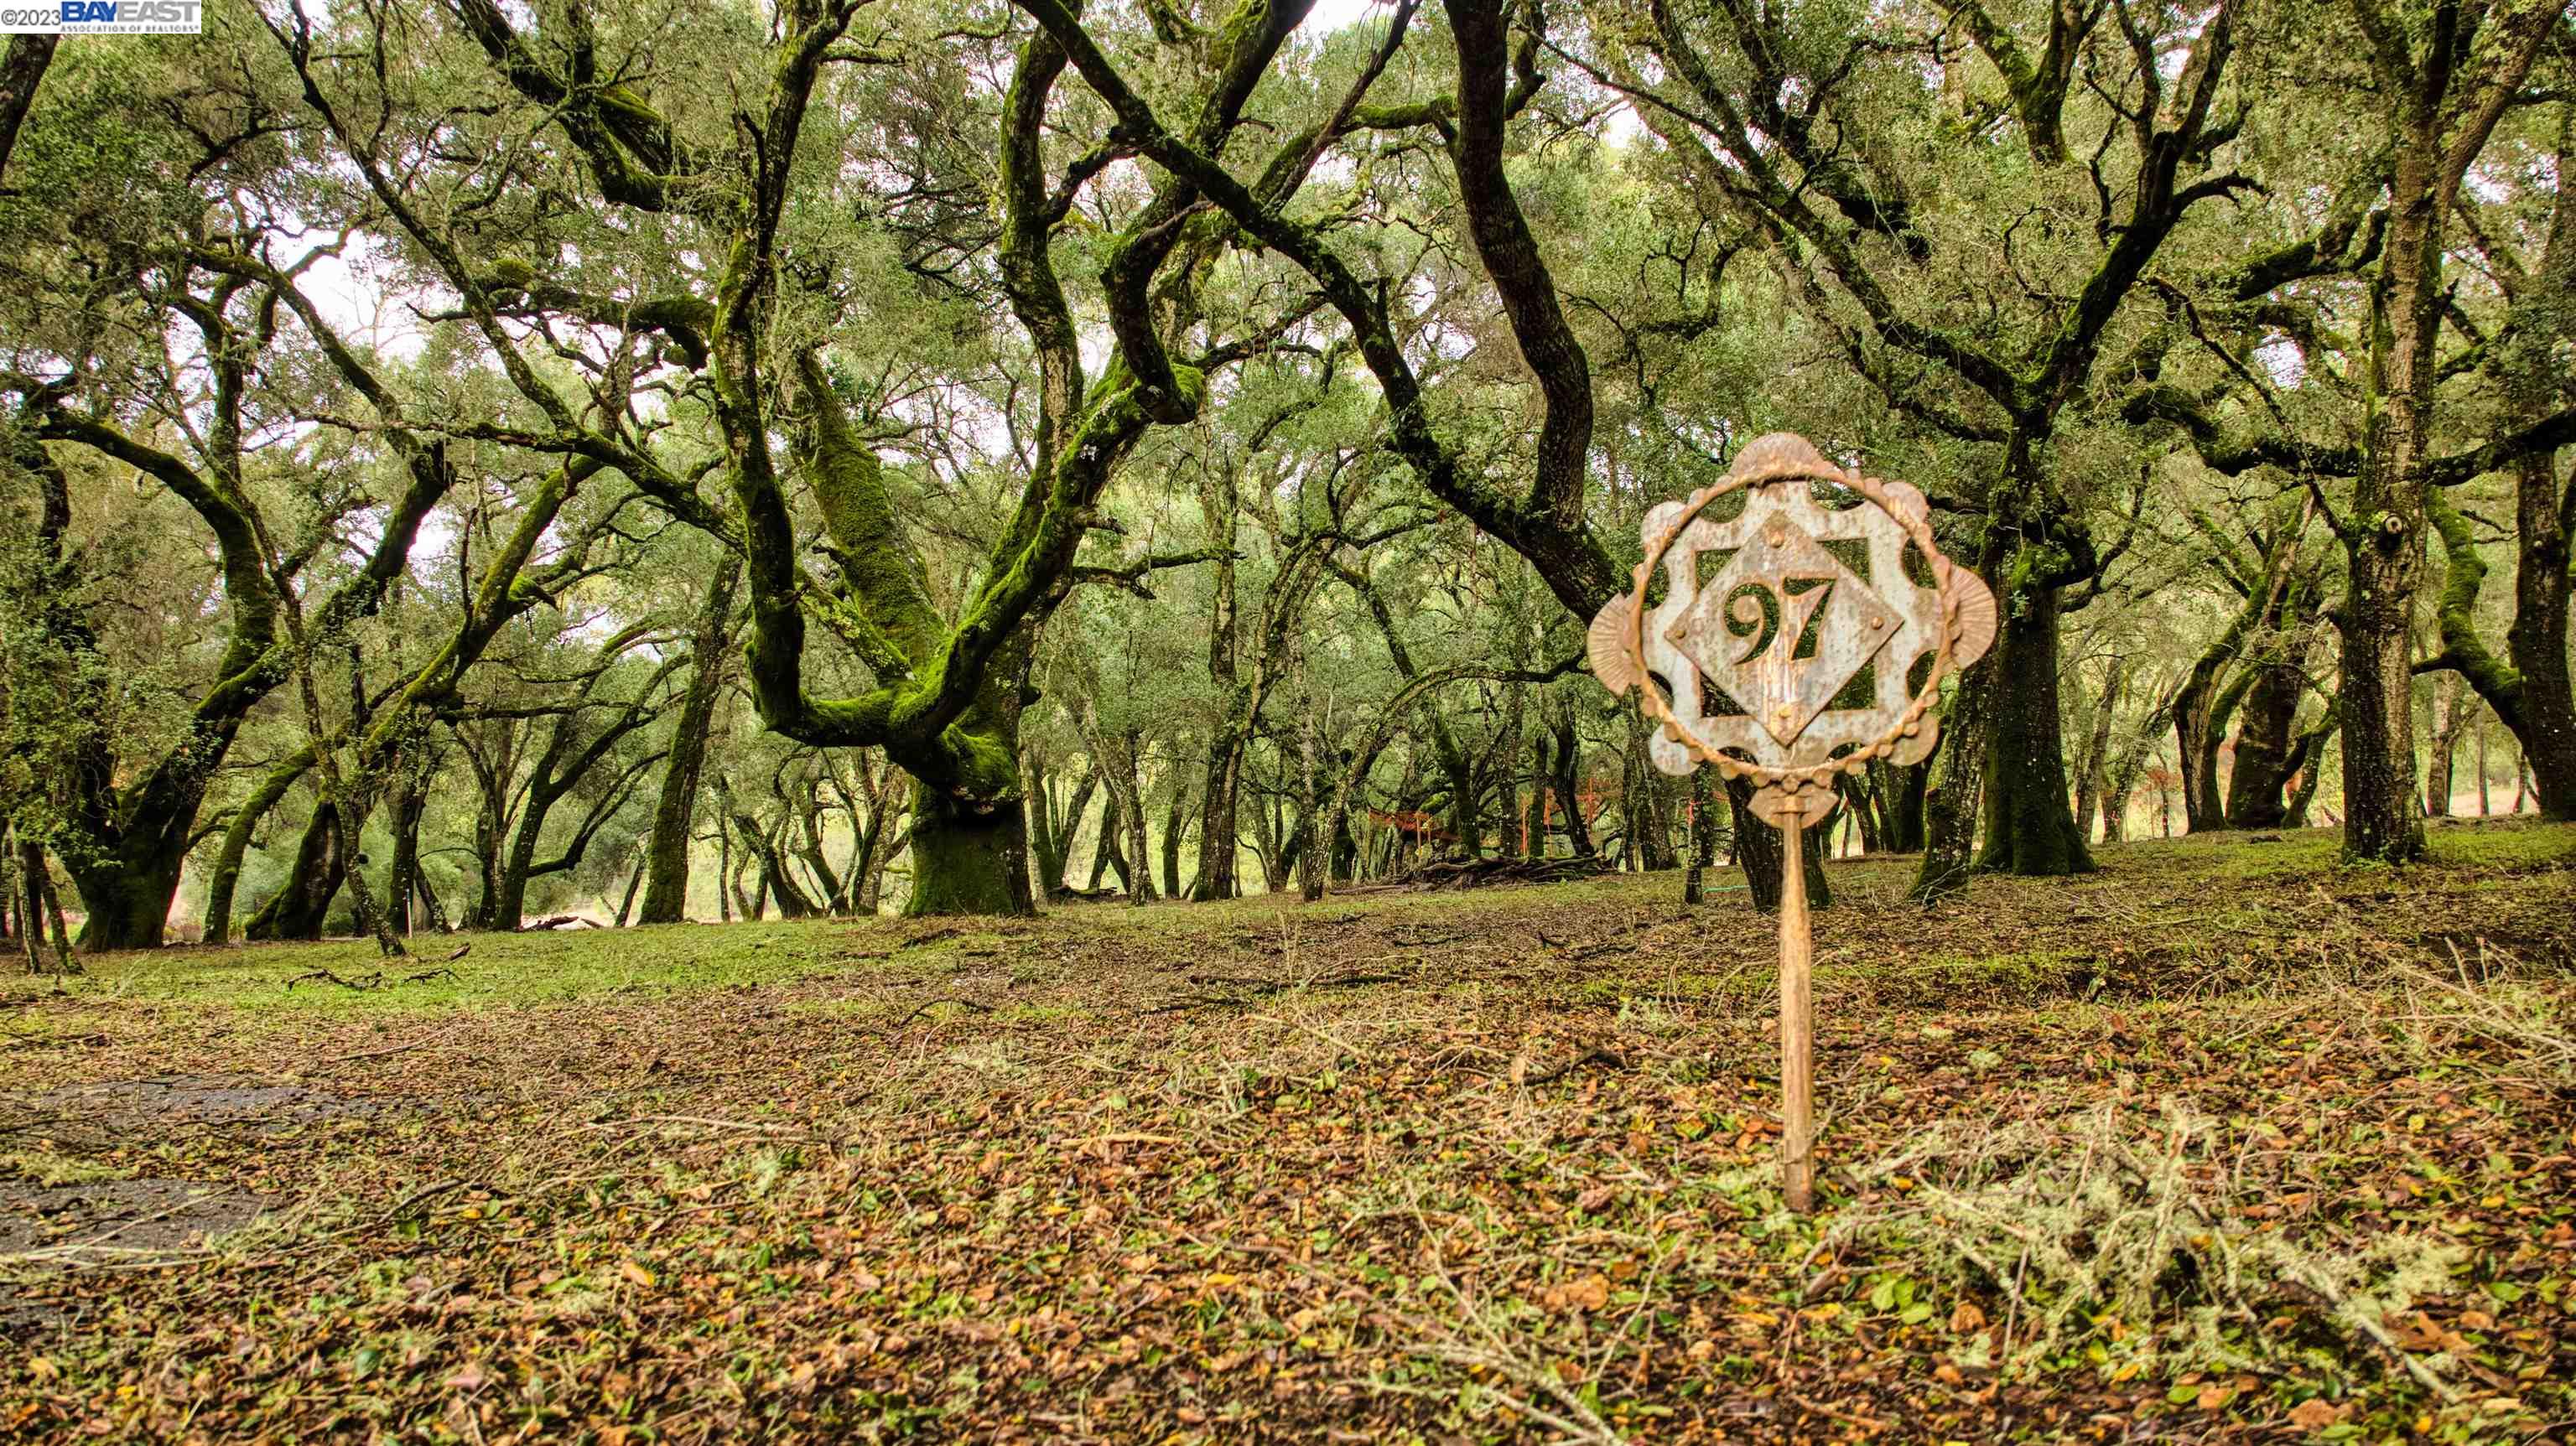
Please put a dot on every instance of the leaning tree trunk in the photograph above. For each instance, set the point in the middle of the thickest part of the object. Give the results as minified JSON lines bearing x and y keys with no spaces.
{"x":432,"y":914}
{"x":38,"y":904}
{"x":299,"y":910}
{"x":752,"y":904}
{"x":2029,"y":830}
{"x":1104,"y":843}
{"x":2294,"y":812}
{"x":807,"y":819}
{"x":634,"y":884}
{"x":2266,"y":722}
{"x":775,"y":882}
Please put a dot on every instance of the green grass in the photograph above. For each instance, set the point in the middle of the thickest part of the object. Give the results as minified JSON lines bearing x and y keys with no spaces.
{"x":500,"y":970}
{"x":44,"y":1167}
{"x":2489,"y":843}
{"x":517,"y":970}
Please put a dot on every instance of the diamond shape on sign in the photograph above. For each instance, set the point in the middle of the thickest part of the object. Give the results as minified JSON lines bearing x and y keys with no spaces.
{"x":1745,"y":628}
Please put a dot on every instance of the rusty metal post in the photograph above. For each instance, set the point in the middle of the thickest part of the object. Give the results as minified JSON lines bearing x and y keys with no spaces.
{"x":1797,"y":1021}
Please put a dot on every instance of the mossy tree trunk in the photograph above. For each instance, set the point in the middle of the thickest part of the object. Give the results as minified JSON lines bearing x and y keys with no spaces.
{"x":2453,"y":709}
{"x":1952,"y":795}
{"x":2544,"y":695}
{"x":1901,"y":788}
{"x":2266,"y":733}
{"x":2092,"y":771}
{"x":969,"y":856}
{"x":2200,"y":717}
{"x":1173,"y":829}
{"x":300,"y":908}
{"x":2436,"y":76}
{"x":130,"y":821}
{"x":2383,"y":819}
{"x":761,"y":846}
{"x":1052,"y":849}
{"x":410,"y":802}
{"x":937,"y":706}
{"x":804,"y":826}
{"x":2530,"y":687}
{"x":666,"y":884}
{"x":128,"y":902}
{"x":2029,"y":829}
{"x":1221,"y":789}
{"x":1567,"y":779}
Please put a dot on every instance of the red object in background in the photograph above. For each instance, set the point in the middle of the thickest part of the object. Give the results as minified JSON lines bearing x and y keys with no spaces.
{"x":1421,"y":825}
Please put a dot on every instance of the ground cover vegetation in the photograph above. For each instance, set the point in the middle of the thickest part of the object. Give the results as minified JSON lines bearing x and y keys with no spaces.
{"x":2221,"y":1141}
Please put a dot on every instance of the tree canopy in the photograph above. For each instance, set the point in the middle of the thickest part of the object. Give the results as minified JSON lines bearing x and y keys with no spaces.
{"x":488,"y":461}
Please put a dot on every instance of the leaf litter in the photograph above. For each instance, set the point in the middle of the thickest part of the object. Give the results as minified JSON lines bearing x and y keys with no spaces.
{"x":2222,"y":1142}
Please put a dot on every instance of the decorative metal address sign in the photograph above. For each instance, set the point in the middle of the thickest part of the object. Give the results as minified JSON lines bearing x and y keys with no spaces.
{"x":1789,"y":643}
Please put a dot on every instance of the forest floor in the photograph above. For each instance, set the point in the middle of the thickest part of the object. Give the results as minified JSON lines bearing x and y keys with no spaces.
{"x":2222,"y":1142}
